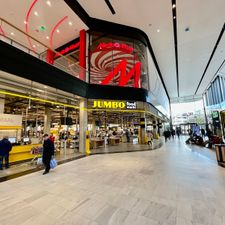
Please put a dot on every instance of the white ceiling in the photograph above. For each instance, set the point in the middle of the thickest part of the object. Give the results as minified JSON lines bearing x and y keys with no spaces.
{"x":205,"y":19}
{"x":15,"y":11}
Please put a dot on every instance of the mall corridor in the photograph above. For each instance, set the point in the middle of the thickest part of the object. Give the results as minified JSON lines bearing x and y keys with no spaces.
{"x":168,"y":186}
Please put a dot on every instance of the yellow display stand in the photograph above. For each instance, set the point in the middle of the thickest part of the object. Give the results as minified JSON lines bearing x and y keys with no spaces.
{"x":88,"y":152}
{"x":21,"y":153}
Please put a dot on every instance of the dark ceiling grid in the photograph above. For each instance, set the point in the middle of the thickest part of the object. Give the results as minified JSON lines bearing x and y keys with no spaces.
{"x":174,"y":18}
{"x":211,"y":56}
{"x":108,"y":3}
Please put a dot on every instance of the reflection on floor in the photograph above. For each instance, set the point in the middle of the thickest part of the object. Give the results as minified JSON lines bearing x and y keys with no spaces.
{"x":71,"y":154}
{"x":169,"y":186}
{"x":127,"y":147}
{"x":28,"y":167}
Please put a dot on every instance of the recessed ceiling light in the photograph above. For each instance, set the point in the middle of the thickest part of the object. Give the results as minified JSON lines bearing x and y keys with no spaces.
{"x":34,"y":46}
{"x":57,"y":31}
{"x":158,"y":30}
{"x":12,"y":33}
{"x":36,"y":13}
{"x":47,"y":37}
{"x":174,"y":6}
{"x":70,"y":23}
{"x":48,"y":3}
{"x":25,"y":22}
{"x":174,"y":17}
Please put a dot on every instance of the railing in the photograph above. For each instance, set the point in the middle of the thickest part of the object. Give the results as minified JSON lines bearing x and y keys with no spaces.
{"x":16,"y":37}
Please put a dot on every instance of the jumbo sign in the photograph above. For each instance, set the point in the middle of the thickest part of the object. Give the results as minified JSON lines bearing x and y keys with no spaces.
{"x":109,"y":105}
{"x":114,"y":105}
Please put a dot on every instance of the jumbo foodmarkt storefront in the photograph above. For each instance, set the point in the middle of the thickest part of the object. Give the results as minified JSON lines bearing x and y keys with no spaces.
{"x":126,"y":124}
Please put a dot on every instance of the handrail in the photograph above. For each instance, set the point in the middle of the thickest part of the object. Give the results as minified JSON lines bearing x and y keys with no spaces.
{"x":36,"y":40}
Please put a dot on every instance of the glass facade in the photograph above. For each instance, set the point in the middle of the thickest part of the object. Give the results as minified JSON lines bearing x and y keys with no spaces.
{"x":117,"y":61}
{"x":215,"y":94}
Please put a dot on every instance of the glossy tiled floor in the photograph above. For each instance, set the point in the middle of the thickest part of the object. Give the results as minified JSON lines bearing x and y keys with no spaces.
{"x":169,"y":186}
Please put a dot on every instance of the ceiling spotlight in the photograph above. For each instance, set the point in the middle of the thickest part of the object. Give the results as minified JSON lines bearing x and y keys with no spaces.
{"x":57,"y":30}
{"x":25,"y":22}
{"x":174,"y":6}
{"x":70,"y":23}
{"x":36,"y":13}
{"x":174,"y":17}
{"x":158,"y":30}
{"x":47,"y":37}
{"x":12,"y":33}
{"x":48,"y":3}
{"x":34,"y":46}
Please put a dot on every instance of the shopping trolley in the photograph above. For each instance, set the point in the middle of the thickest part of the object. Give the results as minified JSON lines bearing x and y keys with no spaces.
{"x":37,"y":152}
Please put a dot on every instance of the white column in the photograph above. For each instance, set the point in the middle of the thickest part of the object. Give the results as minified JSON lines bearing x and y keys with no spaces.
{"x":2,"y":103}
{"x":83,"y":124}
{"x":47,"y":120}
{"x":143,"y":128}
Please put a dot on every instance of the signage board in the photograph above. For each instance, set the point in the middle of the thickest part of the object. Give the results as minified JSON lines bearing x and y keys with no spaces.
{"x":131,"y":105}
{"x":10,"y":120}
{"x":116,"y":45}
{"x":97,"y":104}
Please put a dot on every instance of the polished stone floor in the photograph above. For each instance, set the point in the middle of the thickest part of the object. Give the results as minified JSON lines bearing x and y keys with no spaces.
{"x":27,"y":167}
{"x":173,"y":185}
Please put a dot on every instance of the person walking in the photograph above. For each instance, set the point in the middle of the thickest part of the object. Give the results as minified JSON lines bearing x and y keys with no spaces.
{"x":173,"y":133}
{"x":127,"y":136}
{"x":178,"y":133}
{"x":48,"y":152}
{"x":166,"y":135}
{"x":5,"y":148}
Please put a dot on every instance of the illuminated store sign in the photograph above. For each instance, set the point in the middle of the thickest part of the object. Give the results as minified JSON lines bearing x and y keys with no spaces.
{"x":67,"y":49}
{"x":114,"y":105}
{"x":116,"y":45}
{"x":131,"y":105}
{"x":124,"y":75}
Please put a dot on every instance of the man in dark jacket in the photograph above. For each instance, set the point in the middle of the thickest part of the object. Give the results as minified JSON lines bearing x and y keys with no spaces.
{"x":5,"y":148}
{"x":48,"y":152}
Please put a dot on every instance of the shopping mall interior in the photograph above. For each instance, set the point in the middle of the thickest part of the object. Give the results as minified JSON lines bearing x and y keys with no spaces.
{"x":112,"y":112}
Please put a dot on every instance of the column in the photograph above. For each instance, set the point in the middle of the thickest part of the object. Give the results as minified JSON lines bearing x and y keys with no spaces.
{"x":47,"y":120}
{"x":159,"y":127}
{"x":83,"y":120}
{"x":142,"y":128}
{"x":2,"y":103}
{"x":154,"y":128}
{"x":94,"y":127}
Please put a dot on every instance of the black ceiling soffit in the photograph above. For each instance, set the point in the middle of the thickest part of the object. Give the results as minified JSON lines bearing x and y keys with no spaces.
{"x":174,"y":18}
{"x":211,"y":56}
{"x":114,"y":29}
{"x":108,"y":3}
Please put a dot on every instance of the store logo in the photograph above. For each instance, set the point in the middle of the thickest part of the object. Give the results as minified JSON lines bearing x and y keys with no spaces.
{"x":116,"y":45}
{"x":131,"y":105}
{"x":124,"y":76}
{"x":67,"y":49}
{"x":109,"y":105}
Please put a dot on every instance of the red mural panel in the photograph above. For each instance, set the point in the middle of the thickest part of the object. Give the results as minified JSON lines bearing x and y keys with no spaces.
{"x":115,"y":64}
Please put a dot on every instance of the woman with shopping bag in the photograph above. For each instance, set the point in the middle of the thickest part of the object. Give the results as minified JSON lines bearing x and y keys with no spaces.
{"x":48,"y":153}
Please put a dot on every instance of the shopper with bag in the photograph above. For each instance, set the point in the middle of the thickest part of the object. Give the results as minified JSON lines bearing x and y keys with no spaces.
{"x":5,"y":148}
{"x":48,"y":153}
